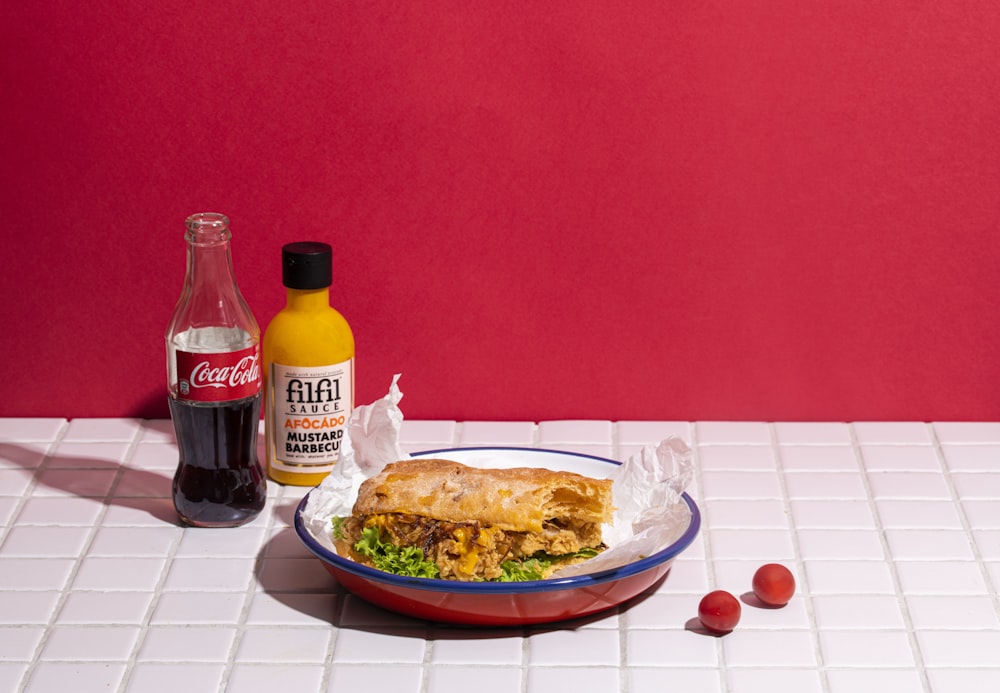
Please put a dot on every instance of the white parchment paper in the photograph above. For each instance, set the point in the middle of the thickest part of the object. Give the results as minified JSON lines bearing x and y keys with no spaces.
{"x":650,"y":513}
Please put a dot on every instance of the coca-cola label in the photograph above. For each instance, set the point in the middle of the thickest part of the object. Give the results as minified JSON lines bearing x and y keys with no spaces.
{"x":220,"y":377}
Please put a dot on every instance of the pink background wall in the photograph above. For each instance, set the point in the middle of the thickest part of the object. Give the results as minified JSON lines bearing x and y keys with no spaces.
{"x":769,"y":209}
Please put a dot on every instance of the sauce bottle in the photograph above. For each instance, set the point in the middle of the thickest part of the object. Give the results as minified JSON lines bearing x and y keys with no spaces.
{"x":308,"y":358}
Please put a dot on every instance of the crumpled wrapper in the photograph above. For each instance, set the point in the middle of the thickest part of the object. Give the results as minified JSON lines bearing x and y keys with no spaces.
{"x":649,"y":515}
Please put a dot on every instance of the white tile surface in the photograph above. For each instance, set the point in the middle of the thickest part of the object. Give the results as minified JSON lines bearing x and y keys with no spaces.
{"x":30,"y":429}
{"x":465,"y":678}
{"x":267,"y":678}
{"x":640,"y":433}
{"x":977,"y":486}
{"x":815,"y":458}
{"x":742,"y":513}
{"x":812,"y":433}
{"x":46,"y":541}
{"x":907,"y":458}
{"x":577,"y":647}
{"x":853,"y":611}
{"x":365,"y":677}
{"x":20,"y":608}
{"x":928,"y":544}
{"x":822,"y":513}
{"x":656,"y":680}
{"x":551,"y":433}
{"x":61,"y":512}
{"x":78,"y":676}
{"x":866,"y":648}
{"x":100,"y":573}
{"x":971,"y":432}
{"x":497,"y":433}
{"x":90,"y":642}
{"x":916,"y":514}
{"x":770,"y":680}
{"x":767,"y":648}
{"x":732,"y":433}
{"x":573,"y":678}
{"x":972,"y":458}
{"x":456,"y":648}
{"x":101,"y":607}
{"x":892,"y":433}
{"x":23,"y":454}
{"x":286,"y":644}
{"x":169,"y":677}
{"x":11,"y":674}
{"x":398,"y":645}
{"x":877,"y":681}
{"x":962,"y":679}
{"x":819,"y":486}
{"x":736,"y":458}
{"x":952,"y":612}
{"x":959,"y":648}
{"x":891,"y":529}
{"x":849,"y":577}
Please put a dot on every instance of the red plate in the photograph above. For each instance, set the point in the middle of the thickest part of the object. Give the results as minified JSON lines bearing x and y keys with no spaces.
{"x":505,"y":603}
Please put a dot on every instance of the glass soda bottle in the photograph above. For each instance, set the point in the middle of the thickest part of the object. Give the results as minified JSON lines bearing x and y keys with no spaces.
{"x":214,"y":385}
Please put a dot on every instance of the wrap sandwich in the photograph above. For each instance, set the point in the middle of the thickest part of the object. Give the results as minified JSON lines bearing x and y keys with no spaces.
{"x":441,"y":519}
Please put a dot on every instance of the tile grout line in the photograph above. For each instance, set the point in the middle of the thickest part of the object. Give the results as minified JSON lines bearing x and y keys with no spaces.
{"x":964,"y":520}
{"x":28,"y":493}
{"x":22,"y":499}
{"x":64,"y":592}
{"x":890,"y":562}
{"x":621,"y":620}
{"x":19,"y":508}
{"x":336,"y":628}
{"x":806,"y":594}
{"x":251,"y":589}
{"x":150,"y":609}
{"x":707,"y":543}
{"x":334,"y":624}
{"x":94,"y":528}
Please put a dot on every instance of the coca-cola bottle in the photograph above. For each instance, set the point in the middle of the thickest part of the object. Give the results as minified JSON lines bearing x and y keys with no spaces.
{"x":214,"y":382}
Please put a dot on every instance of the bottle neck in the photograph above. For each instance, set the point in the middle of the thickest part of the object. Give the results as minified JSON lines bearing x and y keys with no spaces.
{"x":210,"y":267}
{"x":308,"y":299}
{"x":209,"y":260}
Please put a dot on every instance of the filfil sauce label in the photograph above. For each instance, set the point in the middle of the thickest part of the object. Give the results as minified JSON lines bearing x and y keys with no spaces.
{"x":312,"y":405}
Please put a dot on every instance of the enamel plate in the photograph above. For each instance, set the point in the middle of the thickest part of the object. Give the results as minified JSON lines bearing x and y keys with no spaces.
{"x":505,"y":603}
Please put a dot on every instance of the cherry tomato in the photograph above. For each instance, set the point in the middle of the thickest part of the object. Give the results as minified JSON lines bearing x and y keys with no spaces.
{"x":719,"y":611}
{"x":773,"y":584}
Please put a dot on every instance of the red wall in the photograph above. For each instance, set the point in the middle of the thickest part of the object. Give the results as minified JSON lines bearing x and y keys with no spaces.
{"x":771,"y":209}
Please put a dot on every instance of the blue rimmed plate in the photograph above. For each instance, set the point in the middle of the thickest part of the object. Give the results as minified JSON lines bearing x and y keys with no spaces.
{"x":505,"y":603}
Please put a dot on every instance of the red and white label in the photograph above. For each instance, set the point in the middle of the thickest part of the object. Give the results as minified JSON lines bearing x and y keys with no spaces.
{"x":221,"y":377}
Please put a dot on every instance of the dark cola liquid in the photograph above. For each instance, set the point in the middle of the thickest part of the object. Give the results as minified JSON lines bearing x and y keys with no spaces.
{"x":219,"y":480}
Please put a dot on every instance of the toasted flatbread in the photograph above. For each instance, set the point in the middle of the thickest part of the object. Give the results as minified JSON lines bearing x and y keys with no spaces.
{"x":469,"y":521}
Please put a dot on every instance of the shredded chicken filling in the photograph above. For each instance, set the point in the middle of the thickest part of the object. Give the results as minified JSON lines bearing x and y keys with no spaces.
{"x":469,"y":551}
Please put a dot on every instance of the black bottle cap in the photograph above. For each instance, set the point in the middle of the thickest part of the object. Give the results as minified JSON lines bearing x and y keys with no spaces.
{"x":307,"y":265}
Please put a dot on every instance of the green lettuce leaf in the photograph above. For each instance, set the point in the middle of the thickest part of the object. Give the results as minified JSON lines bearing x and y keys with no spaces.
{"x":535,"y":567}
{"x":522,"y":571}
{"x":406,"y":560}
{"x":410,"y":561}
{"x":338,"y":527}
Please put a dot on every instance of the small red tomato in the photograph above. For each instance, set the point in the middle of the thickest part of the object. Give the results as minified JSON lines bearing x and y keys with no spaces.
{"x":773,"y":584}
{"x":719,"y":611}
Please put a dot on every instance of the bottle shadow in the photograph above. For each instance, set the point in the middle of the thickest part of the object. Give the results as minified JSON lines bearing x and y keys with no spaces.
{"x":107,"y":481}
